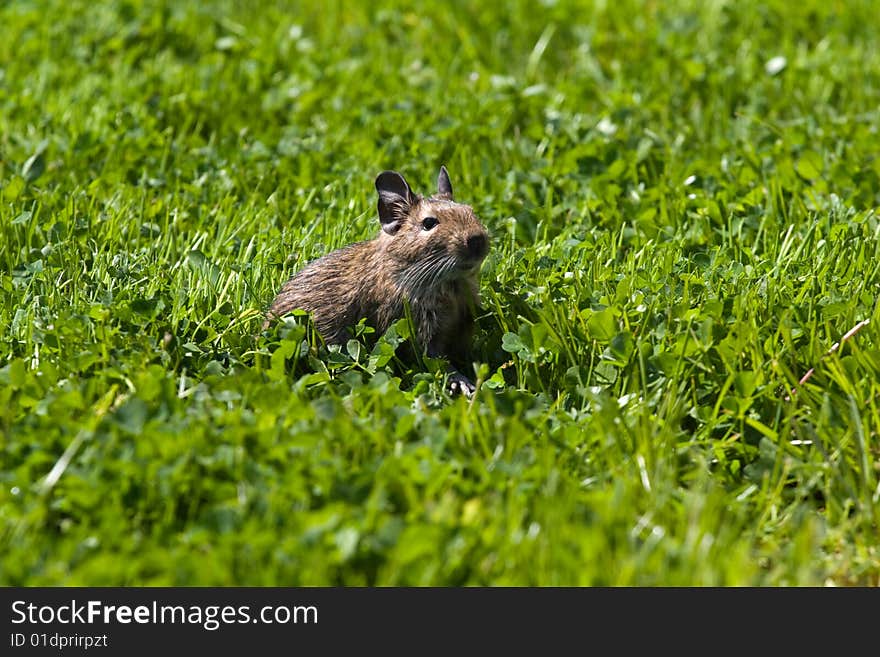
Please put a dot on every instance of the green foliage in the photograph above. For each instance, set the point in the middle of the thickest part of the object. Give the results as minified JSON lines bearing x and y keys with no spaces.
{"x":682,"y":199}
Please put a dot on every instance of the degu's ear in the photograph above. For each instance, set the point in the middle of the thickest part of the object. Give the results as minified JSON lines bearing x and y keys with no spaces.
{"x":395,"y":200}
{"x":444,"y":187}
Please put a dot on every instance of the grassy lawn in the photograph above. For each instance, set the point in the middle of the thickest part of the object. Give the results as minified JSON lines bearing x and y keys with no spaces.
{"x":682,"y":199}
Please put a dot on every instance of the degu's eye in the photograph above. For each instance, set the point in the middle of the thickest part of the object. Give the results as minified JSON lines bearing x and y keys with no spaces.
{"x":429,"y":222}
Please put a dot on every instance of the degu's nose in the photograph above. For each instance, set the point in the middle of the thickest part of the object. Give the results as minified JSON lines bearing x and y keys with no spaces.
{"x":477,"y":245}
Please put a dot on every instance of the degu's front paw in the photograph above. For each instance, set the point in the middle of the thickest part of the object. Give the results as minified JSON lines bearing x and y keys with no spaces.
{"x":457,"y":383}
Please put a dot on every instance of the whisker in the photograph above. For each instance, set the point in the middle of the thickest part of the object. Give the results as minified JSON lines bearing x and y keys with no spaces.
{"x":418,"y":276}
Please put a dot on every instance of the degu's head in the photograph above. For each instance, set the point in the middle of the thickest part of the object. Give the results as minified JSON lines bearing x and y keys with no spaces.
{"x":435,"y":231}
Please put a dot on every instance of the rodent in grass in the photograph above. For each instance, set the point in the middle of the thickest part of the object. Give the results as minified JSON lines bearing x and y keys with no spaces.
{"x":427,"y":255}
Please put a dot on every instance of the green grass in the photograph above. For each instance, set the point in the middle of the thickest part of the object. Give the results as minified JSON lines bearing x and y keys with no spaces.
{"x":683,"y":224}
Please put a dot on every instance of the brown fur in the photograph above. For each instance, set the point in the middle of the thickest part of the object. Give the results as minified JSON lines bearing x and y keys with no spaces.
{"x":434,"y":270}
